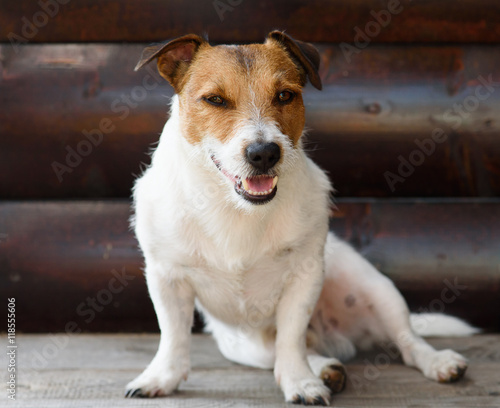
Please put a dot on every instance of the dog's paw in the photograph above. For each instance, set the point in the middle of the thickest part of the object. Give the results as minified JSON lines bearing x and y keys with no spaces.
{"x":310,"y":391}
{"x":153,"y":383}
{"x":334,"y":377}
{"x":446,"y":366}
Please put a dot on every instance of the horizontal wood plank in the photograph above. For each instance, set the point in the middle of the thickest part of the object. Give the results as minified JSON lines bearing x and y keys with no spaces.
{"x":78,"y":122}
{"x":77,"y":263}
{"x":83,"y":371}
{"x":464,"y":21}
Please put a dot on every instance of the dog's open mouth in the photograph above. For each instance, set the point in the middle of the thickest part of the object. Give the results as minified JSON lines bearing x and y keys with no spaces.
{"x":258,"y":190}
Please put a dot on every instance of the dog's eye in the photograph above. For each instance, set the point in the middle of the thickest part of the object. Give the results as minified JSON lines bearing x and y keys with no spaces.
{"x":285,"y":97}
{"x":215,"y":100}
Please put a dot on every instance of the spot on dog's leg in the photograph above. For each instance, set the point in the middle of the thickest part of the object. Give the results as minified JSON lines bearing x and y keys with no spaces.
{"x":350,"y":300}
{"x":333,"y":322}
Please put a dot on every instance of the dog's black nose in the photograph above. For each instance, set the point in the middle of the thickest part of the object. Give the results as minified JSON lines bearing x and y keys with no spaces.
{"x":263,"y":156}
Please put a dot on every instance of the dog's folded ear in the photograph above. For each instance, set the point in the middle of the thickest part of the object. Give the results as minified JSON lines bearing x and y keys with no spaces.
{"x":173,"y":56}
{"x":304,"y":54}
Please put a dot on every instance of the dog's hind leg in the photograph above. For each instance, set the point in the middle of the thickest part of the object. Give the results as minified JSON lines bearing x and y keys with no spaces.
{"x":391,"y":312}
{"x":367,"y":308}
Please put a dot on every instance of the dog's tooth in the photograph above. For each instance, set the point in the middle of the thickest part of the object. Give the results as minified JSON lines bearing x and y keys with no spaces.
{"x":275,"y":181}
{"x":244,"y":183}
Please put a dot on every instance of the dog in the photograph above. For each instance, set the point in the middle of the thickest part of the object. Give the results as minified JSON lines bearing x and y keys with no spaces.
{"x":232,"y":217}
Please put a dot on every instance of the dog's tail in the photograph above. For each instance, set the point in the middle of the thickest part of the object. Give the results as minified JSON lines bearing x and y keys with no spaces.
{"x":440,"y":325}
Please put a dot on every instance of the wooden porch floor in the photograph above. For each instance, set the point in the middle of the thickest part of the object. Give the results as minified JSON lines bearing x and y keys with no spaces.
{"x":92,"y":371}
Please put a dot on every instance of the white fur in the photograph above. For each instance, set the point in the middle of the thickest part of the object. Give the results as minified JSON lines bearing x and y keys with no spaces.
{"x":256,"y":271}
{"x":437,"y":324}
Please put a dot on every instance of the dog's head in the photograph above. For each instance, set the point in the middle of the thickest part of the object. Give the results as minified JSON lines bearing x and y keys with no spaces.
{"x":241,"y":104}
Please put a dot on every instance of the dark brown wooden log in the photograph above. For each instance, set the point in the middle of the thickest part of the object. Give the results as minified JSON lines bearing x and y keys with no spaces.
{"x":464,"y":21}
{"x":77,"y":263}
{"x":363,"y":124}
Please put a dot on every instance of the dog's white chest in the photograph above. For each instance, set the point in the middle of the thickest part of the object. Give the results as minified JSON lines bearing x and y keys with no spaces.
{"x":241,"y":296}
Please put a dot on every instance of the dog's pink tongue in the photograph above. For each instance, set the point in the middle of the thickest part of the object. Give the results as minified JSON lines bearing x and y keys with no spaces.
{"x":260,"y":184}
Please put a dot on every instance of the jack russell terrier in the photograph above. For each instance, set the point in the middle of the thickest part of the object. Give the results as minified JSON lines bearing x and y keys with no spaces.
{"x":232,"y":216}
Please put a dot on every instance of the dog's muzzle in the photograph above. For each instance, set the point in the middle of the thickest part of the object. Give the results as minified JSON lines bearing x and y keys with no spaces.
{"x":259,"y":189}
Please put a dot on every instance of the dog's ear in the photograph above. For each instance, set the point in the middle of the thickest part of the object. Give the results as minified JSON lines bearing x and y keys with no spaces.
{"x":304,"y":54}
{"x":173,"y":56}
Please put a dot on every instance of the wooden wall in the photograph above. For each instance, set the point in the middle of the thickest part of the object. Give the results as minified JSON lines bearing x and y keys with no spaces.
{"x":407,"y":127}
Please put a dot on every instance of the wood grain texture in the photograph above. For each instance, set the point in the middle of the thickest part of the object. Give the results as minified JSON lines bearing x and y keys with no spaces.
{"x":82,"y":107}
{"x":464,"y":21}
{"x":77,"y":263}
{"x":92,"y":371}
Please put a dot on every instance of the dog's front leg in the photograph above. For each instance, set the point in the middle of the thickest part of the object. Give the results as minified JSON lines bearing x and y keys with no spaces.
{"x":294,"y":309}
{"x":173,"y":300}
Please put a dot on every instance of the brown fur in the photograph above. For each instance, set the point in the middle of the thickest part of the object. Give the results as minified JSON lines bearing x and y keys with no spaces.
{"x":249,"y":78}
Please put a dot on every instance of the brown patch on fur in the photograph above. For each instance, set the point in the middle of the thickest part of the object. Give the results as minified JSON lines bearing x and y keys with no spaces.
{"x":270,"y":334}
{"x":304,"y":54}
{"x":311,"y":339}
{"x":333,"y":322}
{"x":248,"y":78}
{"x":174,"y":58}
{"x":334,"y":377}
{"x":350,"y":300}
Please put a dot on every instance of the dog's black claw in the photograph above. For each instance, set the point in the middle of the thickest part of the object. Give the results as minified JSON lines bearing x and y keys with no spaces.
{"x":460,"y":373}
{"x":319,"y":401}
{"x":137,"y":393}
{"x":299,"y":400}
